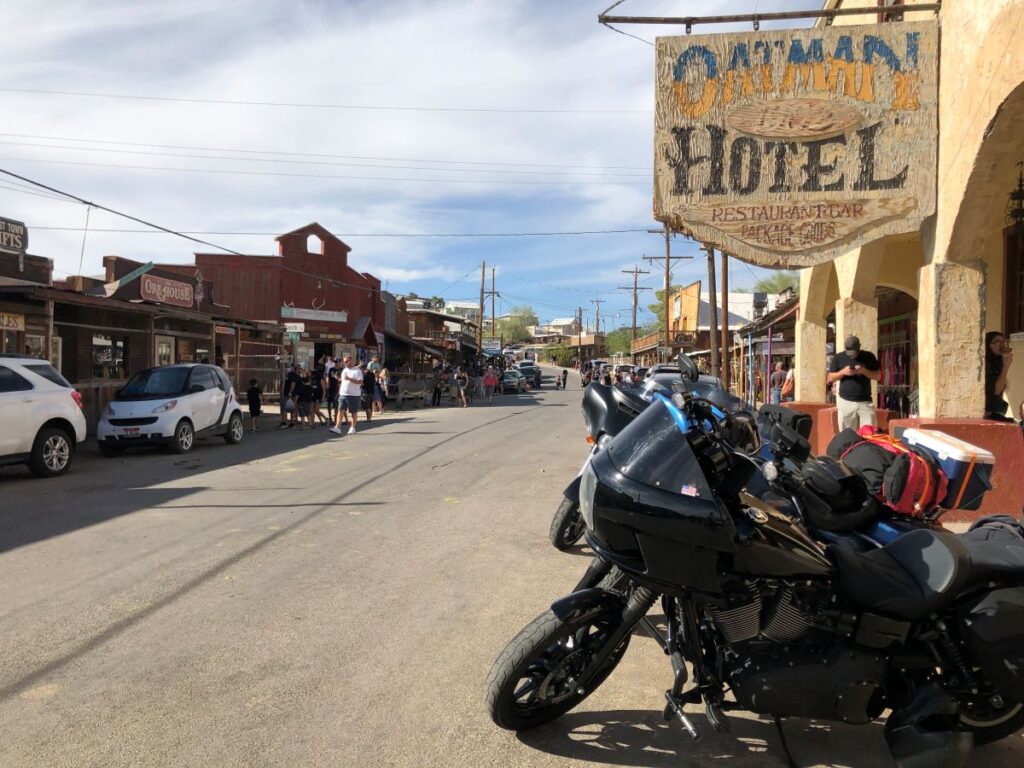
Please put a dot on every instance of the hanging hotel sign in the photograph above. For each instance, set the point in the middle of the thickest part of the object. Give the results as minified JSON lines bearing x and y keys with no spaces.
{"x":789,"y":148}
{"x":13,"y":237}
{"x":164,"y":291}
{"x":11,"y":322}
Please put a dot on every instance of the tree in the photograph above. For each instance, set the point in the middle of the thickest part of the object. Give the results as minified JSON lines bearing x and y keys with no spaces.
{"x":437,"y":302}
{"x":778,"y":282}
{"x":515,"y":326}
{"x":659,"y":308}
{"x":618,"y":342}
{"x":562,"y":355}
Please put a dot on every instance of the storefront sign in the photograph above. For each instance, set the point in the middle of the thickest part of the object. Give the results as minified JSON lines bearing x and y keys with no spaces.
{"x":164,"y":291}
{"x":13,"y":237}
{"x":11,"y":322}
{"x":294,"y":327}
{"x":226,"y":330}
{"x":326,"y":315}
{"x":789,"y":148}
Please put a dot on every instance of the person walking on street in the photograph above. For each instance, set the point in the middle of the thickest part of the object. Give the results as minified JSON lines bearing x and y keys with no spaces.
{"x":565,"y":377}
{"x":778,"y":378}
{"x":490,"y":382}
{"x":254,"y":397}
{"x":383,"y":380}
{"x":288,"y":409}
{"x":435,"y":395}
{"x":462,"y":384}
{"x":304,"y":402}
{"x":351,"y":389}
{"x":789,"y":385}
{"x":369,"y":395}
{"x":854,"y":369}
{"x":317,"y":385}
{"x":332,"y":395}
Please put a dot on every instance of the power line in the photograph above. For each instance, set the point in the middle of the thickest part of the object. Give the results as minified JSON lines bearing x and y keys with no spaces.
{"x":117,"y":213}
{"x":312,"y":105}
{"x":318,"y":162}
{"x":363,"y":234}
{"x":389,"y":179}
{"x":332,"y":156}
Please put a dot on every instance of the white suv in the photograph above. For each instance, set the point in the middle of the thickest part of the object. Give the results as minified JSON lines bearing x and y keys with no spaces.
{"x":171,"y":405}
{"x":41,"y":416}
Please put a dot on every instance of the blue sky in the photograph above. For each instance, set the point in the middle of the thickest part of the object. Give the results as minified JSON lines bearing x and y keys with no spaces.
{"x":437,"y":135}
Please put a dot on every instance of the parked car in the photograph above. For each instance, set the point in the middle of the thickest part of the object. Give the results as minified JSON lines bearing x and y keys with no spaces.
{"x":661,"y":368}
{"x":171,"y":405}
{"x":41,"y":414}
{"x":531,"y":372}
{"x":641,"y":372}
{"x":513,"y":381}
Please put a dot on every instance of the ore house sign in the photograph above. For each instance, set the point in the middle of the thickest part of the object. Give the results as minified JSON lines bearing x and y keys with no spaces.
{"x":790,"y":148}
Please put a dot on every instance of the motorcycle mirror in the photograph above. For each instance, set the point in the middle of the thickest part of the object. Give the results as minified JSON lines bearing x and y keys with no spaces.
{"x":687,"y":368}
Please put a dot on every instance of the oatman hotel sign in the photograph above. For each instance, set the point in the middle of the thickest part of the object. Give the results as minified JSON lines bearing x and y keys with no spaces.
{"x":790,"y":148}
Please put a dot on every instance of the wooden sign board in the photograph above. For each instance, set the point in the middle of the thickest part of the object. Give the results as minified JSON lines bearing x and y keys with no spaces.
{"x":789,"y":148}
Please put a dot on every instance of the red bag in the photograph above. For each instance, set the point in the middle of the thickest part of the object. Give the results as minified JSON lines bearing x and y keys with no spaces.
{"x":913,"y":483}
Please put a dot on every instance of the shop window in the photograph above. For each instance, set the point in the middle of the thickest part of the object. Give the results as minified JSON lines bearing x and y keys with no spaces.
{"x":108,"y":356}
{"x":12,"y":382}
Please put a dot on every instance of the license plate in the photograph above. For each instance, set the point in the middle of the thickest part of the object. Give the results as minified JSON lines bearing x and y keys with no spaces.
{"x":130,"y":430}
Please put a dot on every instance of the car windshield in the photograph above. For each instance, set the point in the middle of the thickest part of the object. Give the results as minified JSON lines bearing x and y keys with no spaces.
{"x":155,"y":383}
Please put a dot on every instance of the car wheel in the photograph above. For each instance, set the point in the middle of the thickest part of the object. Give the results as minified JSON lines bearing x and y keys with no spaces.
{"x":236,"y":429}
{"x":110,"y":450}
{"x":52,"y":452}
{"x":184,"y":437}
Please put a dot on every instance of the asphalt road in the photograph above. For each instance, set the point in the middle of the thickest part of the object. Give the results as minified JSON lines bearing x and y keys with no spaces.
{"x":309,"y":600}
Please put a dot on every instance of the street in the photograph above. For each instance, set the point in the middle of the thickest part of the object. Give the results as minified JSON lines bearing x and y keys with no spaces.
{"x":309,"y":600}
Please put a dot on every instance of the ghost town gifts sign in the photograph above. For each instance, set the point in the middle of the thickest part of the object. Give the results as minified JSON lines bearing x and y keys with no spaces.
{"x":789,"y":148}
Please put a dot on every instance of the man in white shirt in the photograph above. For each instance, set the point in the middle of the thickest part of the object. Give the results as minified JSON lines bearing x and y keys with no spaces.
{"x":348,"y":395}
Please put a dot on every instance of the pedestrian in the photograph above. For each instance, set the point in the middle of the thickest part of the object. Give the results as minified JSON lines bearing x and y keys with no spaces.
{"x":998,"y":358}
{"x":332,"y":394}
{"x":565,"y":377}
{"x":317,"y":384}
{"x":304,"y":402}
{"x":854,"y":369}
{"x":490,"y":382}
{"x":368,"y":397}
{"x":254,"y":397}
{"x":789,"y":385}
{"x":383,"y":380}
{"x":288,"y":409}
{"x":435,"y":396}
{"x":778,"y":378}
{"x":462,"y":384}
{"x":350,"y":391}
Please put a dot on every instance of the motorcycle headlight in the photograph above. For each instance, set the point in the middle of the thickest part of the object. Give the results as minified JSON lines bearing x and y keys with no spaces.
{"x":168,"y":406}
{"x":588,"y":486}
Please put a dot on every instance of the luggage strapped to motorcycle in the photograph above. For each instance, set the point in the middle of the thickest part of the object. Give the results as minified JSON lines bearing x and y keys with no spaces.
{"x":925,"y":483}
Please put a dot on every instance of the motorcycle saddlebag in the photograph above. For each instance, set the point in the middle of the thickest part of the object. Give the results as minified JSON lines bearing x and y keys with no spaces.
{"x":994,"y":631}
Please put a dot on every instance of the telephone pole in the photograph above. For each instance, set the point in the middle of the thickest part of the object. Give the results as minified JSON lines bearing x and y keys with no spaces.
{"x":492,"y":293}
{"x":597,"y":322}
{"x":579,"y":339}
{"x":480,"y":317}
{"x":668,"y":258}
{"x":635,"y":272}
{"x":726,"y":340}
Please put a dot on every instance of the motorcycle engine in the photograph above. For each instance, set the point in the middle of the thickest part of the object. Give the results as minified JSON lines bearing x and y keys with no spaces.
{"x":783,"y":659}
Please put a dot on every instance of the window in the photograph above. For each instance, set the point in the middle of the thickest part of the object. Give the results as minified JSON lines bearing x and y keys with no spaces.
{"x":48,"y":372}
{"x":11,"y":381}
{"x":202,"y":376}
{"x":108,"y":356}
{"x":155,"y":383}
{"x":1013,"y":283}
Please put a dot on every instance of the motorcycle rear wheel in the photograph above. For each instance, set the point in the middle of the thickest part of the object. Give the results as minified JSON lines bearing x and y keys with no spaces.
{"x":567,"y":526}
{"x":991,"y":726}
{"x":532,"y":680}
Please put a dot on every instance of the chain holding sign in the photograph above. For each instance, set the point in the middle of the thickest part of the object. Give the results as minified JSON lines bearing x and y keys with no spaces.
{"x":790,"y":148}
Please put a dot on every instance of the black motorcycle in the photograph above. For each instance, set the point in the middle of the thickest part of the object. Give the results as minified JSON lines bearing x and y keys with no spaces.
{"x":930,"y":626}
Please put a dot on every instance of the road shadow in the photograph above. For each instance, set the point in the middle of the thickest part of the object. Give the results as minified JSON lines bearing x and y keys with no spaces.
{"x":644,"y":738}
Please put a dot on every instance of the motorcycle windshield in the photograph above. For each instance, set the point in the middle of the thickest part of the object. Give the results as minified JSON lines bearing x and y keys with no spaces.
{"x":654,"y":451}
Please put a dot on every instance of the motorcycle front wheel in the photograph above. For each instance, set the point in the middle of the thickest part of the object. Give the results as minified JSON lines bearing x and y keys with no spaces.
{"x":533,"y":680}
{"x":567,"y":526}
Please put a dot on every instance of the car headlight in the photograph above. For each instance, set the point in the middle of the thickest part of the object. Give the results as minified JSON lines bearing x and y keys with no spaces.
{"x":108,"y":410}
{"x":588,"y":486}
{"x":168,"y":406}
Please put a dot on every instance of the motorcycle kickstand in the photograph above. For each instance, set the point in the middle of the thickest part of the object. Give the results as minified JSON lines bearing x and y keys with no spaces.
{"x":675,"y":698}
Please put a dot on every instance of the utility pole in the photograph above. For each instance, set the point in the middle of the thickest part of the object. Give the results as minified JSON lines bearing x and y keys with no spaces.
{"x":713,"y":307}
{"x":579,"y":339}
{"x":480,"y":317}
{"x":597,"y":323}
{"x":494,"y":321}
{"x":668,"y":258}
{"x":726,"y":339}
{"x":635,"y":272}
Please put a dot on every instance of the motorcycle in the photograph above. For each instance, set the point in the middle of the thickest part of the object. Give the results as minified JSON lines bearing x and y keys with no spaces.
{"x":929,"y":626}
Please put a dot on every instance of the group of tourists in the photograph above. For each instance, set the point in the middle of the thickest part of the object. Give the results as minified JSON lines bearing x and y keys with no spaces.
{"x":332,"y":394}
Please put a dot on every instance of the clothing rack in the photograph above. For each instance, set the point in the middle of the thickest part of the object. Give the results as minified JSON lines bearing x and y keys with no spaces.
{"x":897,"y":357}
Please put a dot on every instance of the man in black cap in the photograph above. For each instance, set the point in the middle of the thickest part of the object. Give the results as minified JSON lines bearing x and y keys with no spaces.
{"x":854,"y":369}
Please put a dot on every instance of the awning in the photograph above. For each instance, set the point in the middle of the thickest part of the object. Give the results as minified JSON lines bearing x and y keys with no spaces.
{"x":414,"y":344}
{"x":364,"y":332}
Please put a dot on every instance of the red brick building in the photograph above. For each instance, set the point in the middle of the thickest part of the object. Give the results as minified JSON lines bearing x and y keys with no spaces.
{"x":329,"y":307}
